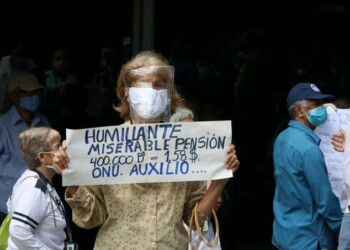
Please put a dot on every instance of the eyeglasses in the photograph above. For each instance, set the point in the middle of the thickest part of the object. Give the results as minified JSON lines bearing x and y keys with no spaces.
{"x":54,"y":150}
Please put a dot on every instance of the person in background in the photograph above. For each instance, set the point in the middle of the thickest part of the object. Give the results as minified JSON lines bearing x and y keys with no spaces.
{"x":182,"y":114}
{"x":59,"y":74}
{"x":17,"y":62}
{"x":307,"y":214}
{"x":126,"y":48}
{"x":101,"y":91}
{"x":144,"y":215}
{"x":25,"y":95}
{"x":37,"y":214}
{"x":58,"y":79}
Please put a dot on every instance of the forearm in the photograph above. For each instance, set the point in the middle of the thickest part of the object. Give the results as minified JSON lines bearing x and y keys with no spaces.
{"x":88,"y":210}
{"x":72,"y":190}
{"x":208,"y":201}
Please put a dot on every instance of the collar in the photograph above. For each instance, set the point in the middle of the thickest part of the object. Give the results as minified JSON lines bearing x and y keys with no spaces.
{"x":42,"y":177}
{"x":15,"y":117}
{"x":300,"y":126}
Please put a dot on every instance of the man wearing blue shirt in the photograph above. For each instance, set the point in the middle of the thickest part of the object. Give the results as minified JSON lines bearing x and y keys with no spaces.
{"x":24,"y":91}
{"x":307,"y":212}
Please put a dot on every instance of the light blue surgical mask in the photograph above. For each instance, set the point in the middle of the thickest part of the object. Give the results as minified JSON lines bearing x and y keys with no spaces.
{"x":30,"y":103}
{"x":317,"y":116}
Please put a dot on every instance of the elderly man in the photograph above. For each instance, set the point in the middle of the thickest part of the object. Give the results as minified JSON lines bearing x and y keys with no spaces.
{"x":25,"y":95}
{"x":307,"y":212}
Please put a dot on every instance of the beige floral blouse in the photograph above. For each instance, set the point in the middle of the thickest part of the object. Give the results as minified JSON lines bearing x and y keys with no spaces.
{"x":137,"y":216}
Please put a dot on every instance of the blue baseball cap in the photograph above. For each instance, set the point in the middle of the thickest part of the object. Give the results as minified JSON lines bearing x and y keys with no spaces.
{"x":306,"y":91}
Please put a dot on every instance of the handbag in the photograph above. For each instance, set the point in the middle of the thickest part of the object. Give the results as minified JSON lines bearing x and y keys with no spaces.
{"x":5,"y":232}
{"x":202,"y":243}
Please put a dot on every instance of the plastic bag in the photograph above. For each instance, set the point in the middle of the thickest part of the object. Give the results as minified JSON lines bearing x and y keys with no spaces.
{"x":5,"y":232}
{"x":199,"y":241}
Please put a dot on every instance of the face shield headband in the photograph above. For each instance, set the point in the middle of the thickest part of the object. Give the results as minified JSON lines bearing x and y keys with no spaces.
{"x":149,"y":93}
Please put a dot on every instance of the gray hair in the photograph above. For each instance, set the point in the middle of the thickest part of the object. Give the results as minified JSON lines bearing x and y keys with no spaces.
{"x":302,"y":104}
{"x":180,"y":114}
{"x":35,"y":140}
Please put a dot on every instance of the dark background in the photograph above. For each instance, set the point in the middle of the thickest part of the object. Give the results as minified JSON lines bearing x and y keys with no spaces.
{"x":83,"y":26}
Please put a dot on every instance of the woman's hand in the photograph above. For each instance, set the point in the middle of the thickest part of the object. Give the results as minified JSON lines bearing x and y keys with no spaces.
{"x":61,"y":162}
{"x":61,"y":158}
{"x":231,"y":160}
{"x":338,"y":140}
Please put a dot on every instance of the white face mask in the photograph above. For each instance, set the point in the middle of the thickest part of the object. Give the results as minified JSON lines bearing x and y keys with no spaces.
{"x":51,"y":166}
{"x":148,"y":102}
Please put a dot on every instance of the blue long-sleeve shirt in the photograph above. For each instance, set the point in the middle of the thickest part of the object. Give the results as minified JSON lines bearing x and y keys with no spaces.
{"x":12,"y":164}
{"x":307,"y":212}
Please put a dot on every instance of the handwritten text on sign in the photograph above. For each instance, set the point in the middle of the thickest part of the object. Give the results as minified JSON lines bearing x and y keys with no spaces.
{"x":162,"y":152}
{"x":334,"y":160}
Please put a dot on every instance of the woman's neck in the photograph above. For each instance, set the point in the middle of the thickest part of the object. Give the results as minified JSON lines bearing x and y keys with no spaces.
{"x":47,"y":172}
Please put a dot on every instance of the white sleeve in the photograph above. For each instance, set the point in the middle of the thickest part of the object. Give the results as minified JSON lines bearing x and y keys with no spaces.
{"x":28,"y":210}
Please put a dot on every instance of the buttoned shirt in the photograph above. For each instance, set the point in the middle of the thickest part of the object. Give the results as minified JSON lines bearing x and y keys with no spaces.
{"x":12,"y":164}
{"x":307,"y":212}
{"x":137,"y":216}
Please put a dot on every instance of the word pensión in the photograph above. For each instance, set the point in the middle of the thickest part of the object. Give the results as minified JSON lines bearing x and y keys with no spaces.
{"x":123,"y":133}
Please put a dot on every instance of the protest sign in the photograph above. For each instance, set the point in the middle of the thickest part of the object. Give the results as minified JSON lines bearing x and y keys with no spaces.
{"x":334,"y":160}
{"x":161,"y":152}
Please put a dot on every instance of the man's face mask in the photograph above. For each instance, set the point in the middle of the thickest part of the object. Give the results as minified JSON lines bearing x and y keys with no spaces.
{"x":317,"y":116}
{"x":148,"y":102}
{"x":31,"y":103}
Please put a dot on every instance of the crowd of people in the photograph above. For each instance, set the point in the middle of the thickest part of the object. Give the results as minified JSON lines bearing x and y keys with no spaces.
{"x":118,"y":94}
{"x":148,"y":95}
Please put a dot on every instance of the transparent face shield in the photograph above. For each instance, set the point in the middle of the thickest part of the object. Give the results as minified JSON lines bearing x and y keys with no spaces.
{"x":149,"y":93}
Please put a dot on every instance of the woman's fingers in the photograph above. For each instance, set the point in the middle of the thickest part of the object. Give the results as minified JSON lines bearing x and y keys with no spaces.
{"x":61,"y":158}
{"x":338,"y":142}
{"x":231,"y":160}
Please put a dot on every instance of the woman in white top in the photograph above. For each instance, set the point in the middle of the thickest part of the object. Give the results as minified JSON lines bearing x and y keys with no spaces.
{"x":38,"y":217}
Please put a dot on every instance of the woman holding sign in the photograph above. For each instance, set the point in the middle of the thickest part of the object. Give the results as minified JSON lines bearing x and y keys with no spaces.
{"x":146,"y":215}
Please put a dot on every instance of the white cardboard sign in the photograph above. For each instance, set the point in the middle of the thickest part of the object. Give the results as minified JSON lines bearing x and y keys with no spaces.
{"x":334,"y":160}
{"x":160,"y":152}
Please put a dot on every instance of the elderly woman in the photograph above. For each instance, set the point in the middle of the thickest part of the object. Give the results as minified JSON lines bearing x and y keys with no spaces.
{"x":38,"y":220}
{"x":147,"y":215}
